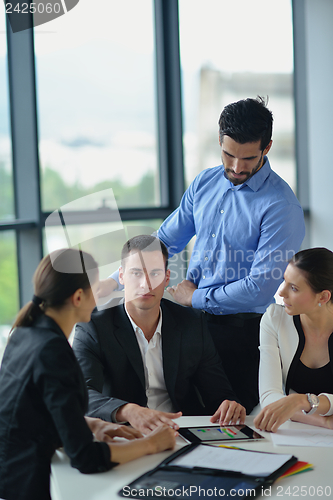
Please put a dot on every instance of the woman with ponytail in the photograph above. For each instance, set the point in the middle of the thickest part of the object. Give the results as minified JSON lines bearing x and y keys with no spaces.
{"x":43,"y":397}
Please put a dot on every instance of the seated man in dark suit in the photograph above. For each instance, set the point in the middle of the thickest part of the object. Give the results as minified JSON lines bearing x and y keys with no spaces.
{"x":149,"y":360}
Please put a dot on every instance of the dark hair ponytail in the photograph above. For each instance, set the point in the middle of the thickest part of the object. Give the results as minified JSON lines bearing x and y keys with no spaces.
{"x":57,"y":278}
{"x":317,"y":264}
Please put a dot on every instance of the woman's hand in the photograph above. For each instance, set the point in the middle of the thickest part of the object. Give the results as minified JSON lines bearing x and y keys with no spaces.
{"x":272,"y":416}
{"x":229,"y":412}
{"x":162,"y":438}
{"x":106,"y":431}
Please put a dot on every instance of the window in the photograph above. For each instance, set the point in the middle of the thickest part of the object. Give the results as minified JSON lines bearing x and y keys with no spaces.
{"x":8,"y":285}
{"x":96,"y":103}
{"x":7,"y":211}
{"x":231,"y":51}
{"x":8,"y":267}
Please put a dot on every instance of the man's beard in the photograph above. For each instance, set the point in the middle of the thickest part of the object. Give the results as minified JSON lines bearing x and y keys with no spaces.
{"x":237,"y":182}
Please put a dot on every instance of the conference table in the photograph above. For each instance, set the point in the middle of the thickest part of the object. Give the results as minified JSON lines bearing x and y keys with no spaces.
{"x":69,"y":484}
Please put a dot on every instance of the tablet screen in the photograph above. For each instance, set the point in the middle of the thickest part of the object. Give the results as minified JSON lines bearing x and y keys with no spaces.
{"x":219,"y":433}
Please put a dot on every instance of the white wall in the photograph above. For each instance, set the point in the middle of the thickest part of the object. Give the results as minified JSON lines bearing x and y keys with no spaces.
{"x":318,"y":97}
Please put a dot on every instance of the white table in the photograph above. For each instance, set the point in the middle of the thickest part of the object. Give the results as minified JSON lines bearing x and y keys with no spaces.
{"x":69,"y":484}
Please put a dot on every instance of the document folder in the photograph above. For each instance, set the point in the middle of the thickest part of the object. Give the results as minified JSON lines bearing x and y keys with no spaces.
{"x":181,"y":475}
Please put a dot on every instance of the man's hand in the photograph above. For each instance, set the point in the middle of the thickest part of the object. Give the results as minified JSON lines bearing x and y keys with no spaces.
{"x":106,"y":431}
{"x":272,"y":416}
{"x":182,"y":293}
{"x":146,"y":420}
{"x":229,"y":412}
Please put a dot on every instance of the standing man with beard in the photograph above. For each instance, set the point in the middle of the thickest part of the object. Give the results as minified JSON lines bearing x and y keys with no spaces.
{"x":248,"y":223}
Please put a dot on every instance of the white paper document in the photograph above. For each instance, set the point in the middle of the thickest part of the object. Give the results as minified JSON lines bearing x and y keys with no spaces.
{"x":246,"y":462}
{"x":314,"y":436}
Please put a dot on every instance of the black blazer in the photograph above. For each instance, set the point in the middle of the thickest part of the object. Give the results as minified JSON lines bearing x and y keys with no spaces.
{"x":111,"y":361}
{"x":43,"y":399}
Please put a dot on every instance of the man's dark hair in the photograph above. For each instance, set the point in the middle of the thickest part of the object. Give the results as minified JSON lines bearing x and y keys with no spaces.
{"x":144,"y":243}
{"x":245,"y":121}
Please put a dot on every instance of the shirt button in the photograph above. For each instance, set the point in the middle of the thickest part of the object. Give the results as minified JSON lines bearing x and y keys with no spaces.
{"x":221,"y":312}
{"x":222,"y":211}
{"x":203,"y":277}
{"x":213,"y":235}
{"x":232,"y":190}
{"x":206,"y":258}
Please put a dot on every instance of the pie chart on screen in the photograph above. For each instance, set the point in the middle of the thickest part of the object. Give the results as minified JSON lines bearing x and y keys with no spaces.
{"x":25,"y":15}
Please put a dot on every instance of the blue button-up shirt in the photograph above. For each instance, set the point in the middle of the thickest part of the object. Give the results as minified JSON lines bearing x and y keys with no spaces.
{"x":245,"y":236}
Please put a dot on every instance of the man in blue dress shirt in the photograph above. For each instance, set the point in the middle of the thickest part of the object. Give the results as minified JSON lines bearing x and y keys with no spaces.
{"x":248,"y":223}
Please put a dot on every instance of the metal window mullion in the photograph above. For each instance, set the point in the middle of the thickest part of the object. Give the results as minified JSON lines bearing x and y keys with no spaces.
{"x":22,"y":93}
{"x":169,"y":103}
{"x":301,"y":111}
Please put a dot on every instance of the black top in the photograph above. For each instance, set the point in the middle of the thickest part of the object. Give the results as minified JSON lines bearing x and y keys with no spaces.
{"x":43,"y":399}
{"x":303,"y":379}
{"x":313,"y":380}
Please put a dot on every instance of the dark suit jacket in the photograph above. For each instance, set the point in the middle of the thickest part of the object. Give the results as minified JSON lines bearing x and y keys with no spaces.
{"x":43,"y":399}
{"x":111,"y":361}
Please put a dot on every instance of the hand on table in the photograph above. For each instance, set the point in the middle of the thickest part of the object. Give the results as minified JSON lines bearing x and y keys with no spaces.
{"x":161,"y":438}
{"x":146,"y":420}
{"x":229,"y":412}
{"x":182,"y":293}
{"x":272,"y":416}
{"x":106,"y":431}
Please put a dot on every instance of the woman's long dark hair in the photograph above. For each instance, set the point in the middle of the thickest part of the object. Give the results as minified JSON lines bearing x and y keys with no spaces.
{"x":56,"y":278}
{"x":317,"y":265}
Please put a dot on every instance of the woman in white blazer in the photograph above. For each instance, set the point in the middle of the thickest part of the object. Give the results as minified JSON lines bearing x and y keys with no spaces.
{"x":296,"y":346}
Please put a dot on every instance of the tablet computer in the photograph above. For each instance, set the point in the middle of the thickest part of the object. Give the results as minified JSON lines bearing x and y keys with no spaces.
{"x":217,"y":433}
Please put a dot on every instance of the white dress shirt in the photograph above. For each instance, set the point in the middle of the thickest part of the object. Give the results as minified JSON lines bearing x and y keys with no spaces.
{"x":151,"y":352}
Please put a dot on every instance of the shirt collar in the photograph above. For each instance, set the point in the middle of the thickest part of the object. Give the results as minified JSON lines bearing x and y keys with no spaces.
{"x":256,"y":181}
{"x":135,"y":326}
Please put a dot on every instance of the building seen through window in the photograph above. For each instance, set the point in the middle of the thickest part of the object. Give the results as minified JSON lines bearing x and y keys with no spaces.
{"x":231,"y":51}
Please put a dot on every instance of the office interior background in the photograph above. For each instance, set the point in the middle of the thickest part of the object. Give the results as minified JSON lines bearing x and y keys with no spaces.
{"x":111,"y":110}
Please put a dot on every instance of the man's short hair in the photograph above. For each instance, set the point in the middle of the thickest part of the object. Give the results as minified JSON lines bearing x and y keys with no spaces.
{"x":248,"y":120}
{"x":144,"y":243}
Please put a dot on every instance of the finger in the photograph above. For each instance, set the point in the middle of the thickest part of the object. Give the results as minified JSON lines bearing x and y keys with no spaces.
{"x":223,"y":410}
{"x":171,"y":415}
{"x":235,"y":416}
{"x":242,"y":416}
{"x":267,"y":422}
{"x":128,"y":434}
{"x":134,"y":432}
{"x":214,"y":418}
{"x":169,"y":422}
{"x":130,"y":430}
{"x":230,"y":415}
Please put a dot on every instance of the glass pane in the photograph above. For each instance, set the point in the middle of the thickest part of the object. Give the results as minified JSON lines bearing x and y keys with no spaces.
{"x":7,"y":211}
{"x":231,"y":51}
{"x":9,"y":302}
{"x":96,"y":103}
